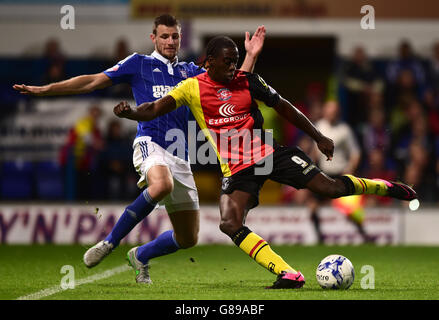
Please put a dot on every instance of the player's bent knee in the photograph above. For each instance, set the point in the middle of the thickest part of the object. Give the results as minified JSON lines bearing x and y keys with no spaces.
{"x":161,"y":189}
{"x":187,"y":240}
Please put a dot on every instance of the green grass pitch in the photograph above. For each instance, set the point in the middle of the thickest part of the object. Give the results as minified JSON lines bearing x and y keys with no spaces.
{"x":219,"y":272}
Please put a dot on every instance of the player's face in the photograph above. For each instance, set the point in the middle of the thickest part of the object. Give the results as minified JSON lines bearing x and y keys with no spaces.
{"x":167,"y":41}
{"x":222,"y":68}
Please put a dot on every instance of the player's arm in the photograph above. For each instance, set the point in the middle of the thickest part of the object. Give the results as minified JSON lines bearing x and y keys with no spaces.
{"x":76,"y":85}
{"x":146,"y":111}
{"x":180,"y":95}
{"x":261,"y":91}
{"x":297,"y":118}
{"x":253,"y":48}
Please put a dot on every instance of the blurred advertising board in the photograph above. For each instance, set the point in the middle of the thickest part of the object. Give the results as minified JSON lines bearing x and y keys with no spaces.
{"x":89,"y":223}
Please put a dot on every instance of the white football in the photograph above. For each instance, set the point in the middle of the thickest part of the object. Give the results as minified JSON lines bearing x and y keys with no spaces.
{"x":335,"y":272}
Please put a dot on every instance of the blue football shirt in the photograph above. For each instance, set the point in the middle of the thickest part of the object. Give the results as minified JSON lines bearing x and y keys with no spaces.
{"x":152,"y":77}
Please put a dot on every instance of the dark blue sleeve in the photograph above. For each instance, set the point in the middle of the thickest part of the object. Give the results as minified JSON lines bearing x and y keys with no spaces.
{"x":124,"y":70}
{"x":195,"y":70}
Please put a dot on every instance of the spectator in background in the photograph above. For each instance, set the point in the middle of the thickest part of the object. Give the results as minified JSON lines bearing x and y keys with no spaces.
{"x":434,"y":68}
{"x":414,"y":151}
{"x":413,"y":126}
{"x":311,"y":107}
{"x":80,"y":156}
{"x":55,"y":61}
{"x":406,"y":76}
{"x":361,"y":81}
{"x":375,"y":133}
{"x":436,"y":170}
{"x":417,"y":172}
{"x":431,"y":102}
{"x":53,"y":53}
{"x":346,"y":159}
{"x":407,"y":105}
{"x":406,"y":60}
{"x":378,"y":168}
{"x":406,"y":85}
{"x":116,"y":162}
{"x":347,"y":152}
{"x":121,"y":52}
{"x":431,"y":106}
{"x":376,"y":100}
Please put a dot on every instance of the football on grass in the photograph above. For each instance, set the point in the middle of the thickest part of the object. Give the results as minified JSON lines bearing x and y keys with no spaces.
{"x":335,"y":272}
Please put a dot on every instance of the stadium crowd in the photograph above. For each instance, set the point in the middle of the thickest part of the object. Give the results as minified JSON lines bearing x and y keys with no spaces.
{"x":392,"y":106}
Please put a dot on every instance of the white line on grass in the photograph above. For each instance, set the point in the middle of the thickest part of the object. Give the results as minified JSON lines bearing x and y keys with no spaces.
{"x":55,"y":289}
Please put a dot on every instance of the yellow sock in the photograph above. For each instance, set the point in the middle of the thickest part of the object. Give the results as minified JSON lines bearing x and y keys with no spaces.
{"x":368,"y":186}
{"x":258,"y":249}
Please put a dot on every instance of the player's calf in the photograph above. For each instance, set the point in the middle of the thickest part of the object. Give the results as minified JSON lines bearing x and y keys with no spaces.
{"x":328,"y":187}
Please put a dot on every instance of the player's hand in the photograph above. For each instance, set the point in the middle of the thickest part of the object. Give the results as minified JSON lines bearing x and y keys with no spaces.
{"x":326,"y":146}
{"x":122,"y":110}
{"x":30,"y":90}
{"x":254,"y":45}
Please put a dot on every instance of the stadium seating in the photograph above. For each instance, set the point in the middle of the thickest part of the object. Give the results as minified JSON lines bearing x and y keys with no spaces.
{"x":16,"y":180}
{"x":49,"y":181}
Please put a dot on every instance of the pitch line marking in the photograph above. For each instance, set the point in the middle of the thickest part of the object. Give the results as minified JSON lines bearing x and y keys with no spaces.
{"x":55,"y":289}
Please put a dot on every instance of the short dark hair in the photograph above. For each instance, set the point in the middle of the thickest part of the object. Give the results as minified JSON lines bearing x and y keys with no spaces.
{"x":167,"y":20}
{"x":216,"y":44}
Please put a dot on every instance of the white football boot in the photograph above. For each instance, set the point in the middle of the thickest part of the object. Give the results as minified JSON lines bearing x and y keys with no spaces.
{"x":142,"y":274}
{"x":97,"y":253}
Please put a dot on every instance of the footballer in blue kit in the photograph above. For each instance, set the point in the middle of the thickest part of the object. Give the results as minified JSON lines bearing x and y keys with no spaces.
{"x":152,"y":77}
{"x":167,"y":176}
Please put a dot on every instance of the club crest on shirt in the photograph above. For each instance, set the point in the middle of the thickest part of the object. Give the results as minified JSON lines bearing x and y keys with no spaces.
{"x":183,"y":73}
{"x":224,"y":94}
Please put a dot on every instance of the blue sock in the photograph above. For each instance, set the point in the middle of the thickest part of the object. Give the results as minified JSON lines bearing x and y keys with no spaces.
{"x":132,"y":215}
{"x":160,"y":246}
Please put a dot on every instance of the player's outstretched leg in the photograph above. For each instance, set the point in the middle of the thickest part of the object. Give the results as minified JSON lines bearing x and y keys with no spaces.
{"x":132,"y":215}
{"x":380,"y":187}
{"x":347,"y":185}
